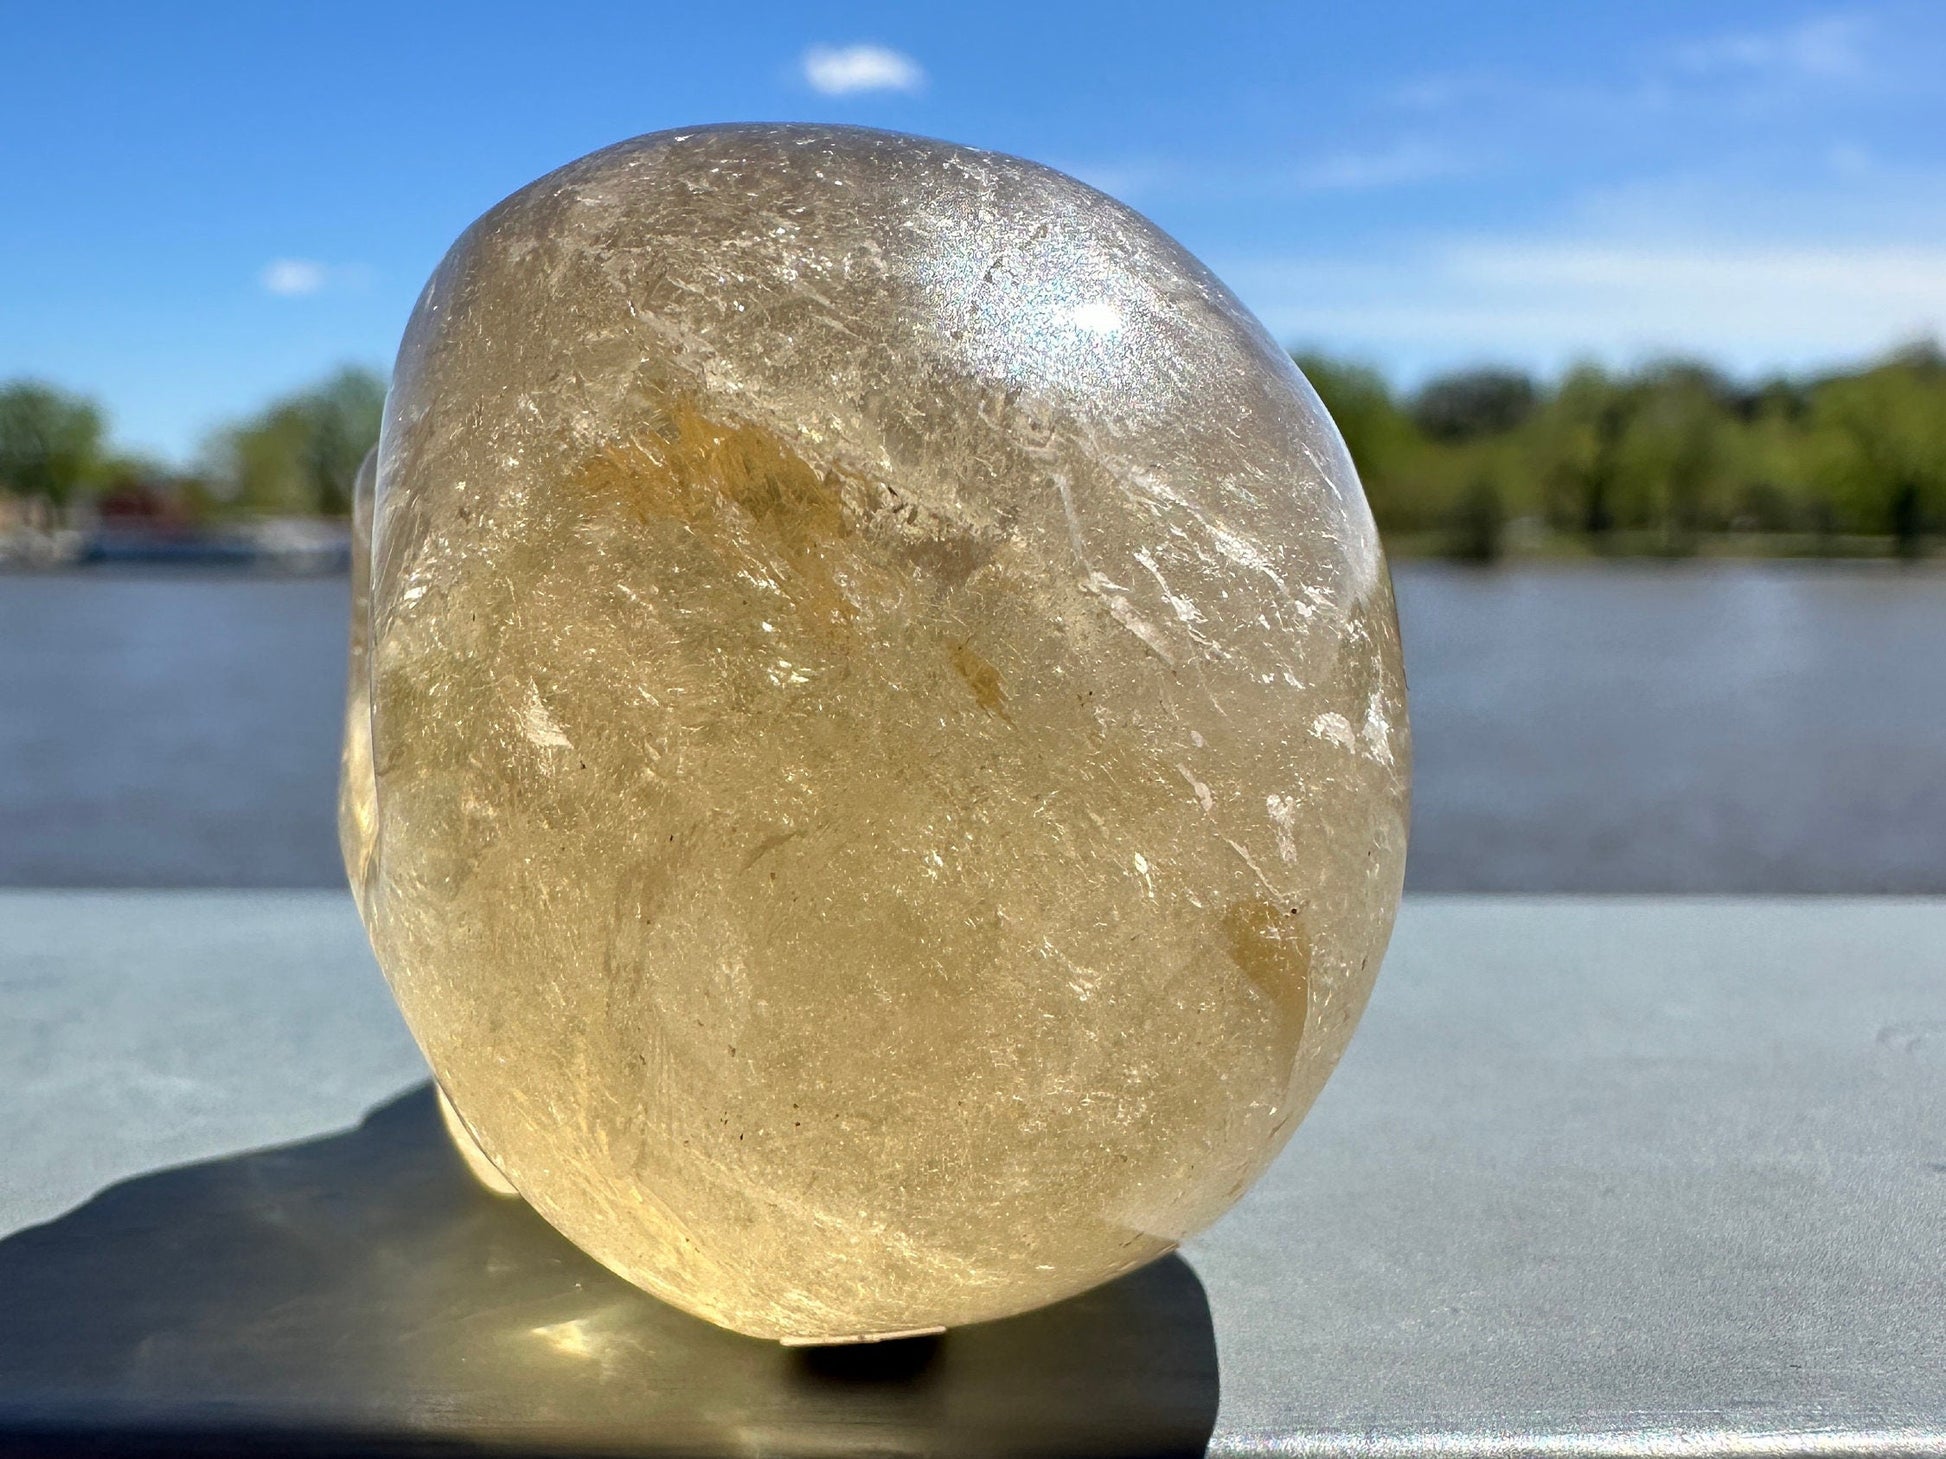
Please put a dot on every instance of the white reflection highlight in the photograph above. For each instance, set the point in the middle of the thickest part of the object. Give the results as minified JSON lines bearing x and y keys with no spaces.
{"x":1099,"y":317}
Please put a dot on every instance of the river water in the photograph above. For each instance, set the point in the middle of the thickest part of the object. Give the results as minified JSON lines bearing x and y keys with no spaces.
{"x":1617,"y":728}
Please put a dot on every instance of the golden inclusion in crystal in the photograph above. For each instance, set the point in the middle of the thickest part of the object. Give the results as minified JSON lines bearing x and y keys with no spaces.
{"x":877,"y":759}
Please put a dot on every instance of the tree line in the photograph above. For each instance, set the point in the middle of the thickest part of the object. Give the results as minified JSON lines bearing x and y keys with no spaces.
{"x":295,"y":457}
{"x":1672,"y":457}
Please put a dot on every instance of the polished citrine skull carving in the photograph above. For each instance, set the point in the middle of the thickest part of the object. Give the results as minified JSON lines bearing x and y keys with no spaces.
{"x":876,"y":763}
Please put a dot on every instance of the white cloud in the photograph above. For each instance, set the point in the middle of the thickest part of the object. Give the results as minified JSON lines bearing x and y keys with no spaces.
{"x":293,"y":278}
{"x":1546,"y":301}
{"x":1442,"y":90}
{"x":299,"y":278}
{"x":1399,"y":165}
{"x":1823,"y":48}
{"x":1761,"y":70}
{"x":846,"y":70}
{"x":1828,"y":261}
{"x":1404,"y":163}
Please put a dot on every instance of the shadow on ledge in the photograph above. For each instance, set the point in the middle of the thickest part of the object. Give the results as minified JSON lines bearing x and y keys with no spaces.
{"x":360,"y":1294}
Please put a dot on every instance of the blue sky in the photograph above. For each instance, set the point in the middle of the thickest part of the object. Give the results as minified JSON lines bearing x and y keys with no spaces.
{"x":207,"y":204}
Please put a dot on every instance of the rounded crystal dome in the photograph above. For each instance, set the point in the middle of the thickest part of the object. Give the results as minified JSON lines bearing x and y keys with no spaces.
{"x":877,"y":755}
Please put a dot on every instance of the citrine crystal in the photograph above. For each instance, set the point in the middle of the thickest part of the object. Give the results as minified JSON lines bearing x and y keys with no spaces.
{"x":877,"y":758}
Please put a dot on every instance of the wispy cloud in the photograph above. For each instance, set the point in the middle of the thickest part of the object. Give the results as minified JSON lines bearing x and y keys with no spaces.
{"x":848,"y":70}
{"x":1399,"y":165}
{"x":1545,"y":301}
{"x":1754,"y":71}
{"x":1404,"y":163}
{"x":293,"y":278}
{"x":1443,"y":90}
{"x":1822,"y":48}
{"x":1838,"y":194}
{"x":300,"y":278}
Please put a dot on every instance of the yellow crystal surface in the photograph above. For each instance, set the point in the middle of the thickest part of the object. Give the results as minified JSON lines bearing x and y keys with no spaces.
{"x":877,"y":761}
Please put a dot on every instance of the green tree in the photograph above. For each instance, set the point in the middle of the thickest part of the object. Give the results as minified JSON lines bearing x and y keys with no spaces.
{"x":1469,"y":404}
{"x":50,"y":441}
{"x":1571,"y":450}
{"x":1879,"y":447}
{"x":1672,"y":453}
{"x":300,"y":454}
{"x":1478,"y":522}
{"x":1384,"y":445}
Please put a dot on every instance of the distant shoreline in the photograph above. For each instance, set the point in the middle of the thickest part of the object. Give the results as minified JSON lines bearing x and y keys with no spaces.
{"x":305,"y":546}
{"x":1640,"y":546}
{"x":1566,"y":556}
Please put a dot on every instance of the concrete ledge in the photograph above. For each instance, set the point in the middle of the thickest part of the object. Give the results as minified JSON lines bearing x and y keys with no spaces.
{"x":1618,"y":1176}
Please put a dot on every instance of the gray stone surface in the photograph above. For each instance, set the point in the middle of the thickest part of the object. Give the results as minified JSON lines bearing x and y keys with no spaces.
{"x":146,"y":1029}
{"x":1611,"y":1176}
{"x":1597,"y":1177}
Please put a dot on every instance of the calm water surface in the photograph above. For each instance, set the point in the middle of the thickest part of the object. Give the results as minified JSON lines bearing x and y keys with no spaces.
{"x":1691,"y":727}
